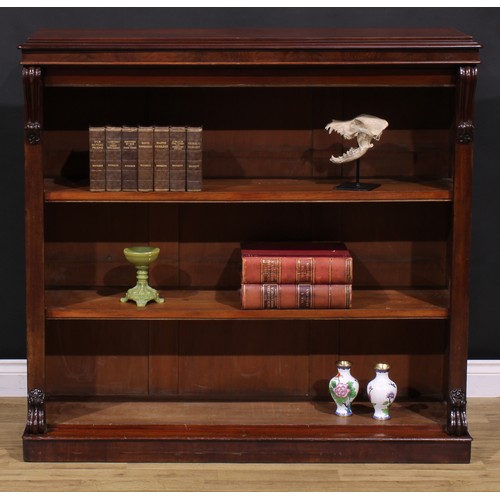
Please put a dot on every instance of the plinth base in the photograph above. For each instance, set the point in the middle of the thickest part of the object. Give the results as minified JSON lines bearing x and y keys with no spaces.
{"x":81,"y":431}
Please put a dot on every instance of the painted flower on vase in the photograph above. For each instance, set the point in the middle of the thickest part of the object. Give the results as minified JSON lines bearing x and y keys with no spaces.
{"x":342,"y":390}
{"x":343,"y":394}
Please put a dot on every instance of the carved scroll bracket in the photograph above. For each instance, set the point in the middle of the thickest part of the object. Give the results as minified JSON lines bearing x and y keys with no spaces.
{"x":36,"y":412}
{"x":465,"y":104}
{"x":457,"y":416}
{"x":32,"y":80}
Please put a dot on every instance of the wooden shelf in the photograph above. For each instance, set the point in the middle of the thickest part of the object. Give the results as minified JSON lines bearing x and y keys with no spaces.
{"x":262,"y":190}
{"x":237,"y":413}
{"x":244,"y":431}
{"x":224,"y":304}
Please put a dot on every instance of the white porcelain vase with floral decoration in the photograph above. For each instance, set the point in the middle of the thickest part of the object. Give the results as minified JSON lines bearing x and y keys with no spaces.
{"x":343,"y":388}
{"x":382,"y":392}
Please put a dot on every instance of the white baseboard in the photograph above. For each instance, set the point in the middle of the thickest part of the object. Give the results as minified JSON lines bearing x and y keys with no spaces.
{"x":13,"y":377}
{"x":483,"y":378}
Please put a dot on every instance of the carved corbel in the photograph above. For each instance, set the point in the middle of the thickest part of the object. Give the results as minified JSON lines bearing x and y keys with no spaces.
{"x":465,"y":105}
{"x":32,"y":80}
{"x":36,"y":423}
{"x":457,"y":415}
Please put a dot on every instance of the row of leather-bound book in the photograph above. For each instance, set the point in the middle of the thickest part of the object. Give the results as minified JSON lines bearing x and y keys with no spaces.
{"x":152,"y":158}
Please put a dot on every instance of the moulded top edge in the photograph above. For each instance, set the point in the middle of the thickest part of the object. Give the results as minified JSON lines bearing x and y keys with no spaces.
{"x":338,"y":38}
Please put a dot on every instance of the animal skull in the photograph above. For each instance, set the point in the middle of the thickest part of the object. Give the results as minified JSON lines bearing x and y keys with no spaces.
{"x":364,"y":127}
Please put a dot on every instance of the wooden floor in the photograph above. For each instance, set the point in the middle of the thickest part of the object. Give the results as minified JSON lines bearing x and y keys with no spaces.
{"x":483,"y":474}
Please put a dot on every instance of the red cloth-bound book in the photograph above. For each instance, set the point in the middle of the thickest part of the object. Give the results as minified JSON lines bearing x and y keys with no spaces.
{"x":301,"y":296}
{"x":294,"y":263}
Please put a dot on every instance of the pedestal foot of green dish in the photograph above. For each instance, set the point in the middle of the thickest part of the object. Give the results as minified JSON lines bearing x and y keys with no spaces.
{"x":141,"y":294}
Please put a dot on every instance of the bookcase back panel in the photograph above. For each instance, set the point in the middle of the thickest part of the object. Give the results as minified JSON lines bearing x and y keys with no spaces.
{"x":209,"y":252}
{"x":94,"y":257}
{"x":275,"y":154}
{"x":262,"y":132}
{"x":94,"y":106}
{"x":244,"y":358}
{"x":415,"y":350}
{"x":97,"y":358}
{"x":406,"y":246}
{"x":393,"y":245}
{"x":239,"y":360}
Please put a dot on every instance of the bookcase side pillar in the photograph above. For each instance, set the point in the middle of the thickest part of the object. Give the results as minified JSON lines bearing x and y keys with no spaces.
{"x":35,"y":303}
{"x":461,"y":242}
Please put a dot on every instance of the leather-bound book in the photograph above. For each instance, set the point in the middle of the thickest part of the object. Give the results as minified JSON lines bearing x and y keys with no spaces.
{"x":177,"y":158}
{"x":97,"y":158}
{"x":300,"y":296}
{"x":145,"y":159}
{"x":113,"y":159}
{"x":129,"y":158}
{"x":314,"y":263}
{"x":161,"y":144}
{"x":194,"y":155}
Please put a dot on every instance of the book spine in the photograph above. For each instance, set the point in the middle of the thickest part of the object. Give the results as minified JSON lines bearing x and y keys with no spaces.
{"x":161,"y":144}
{"x":97,"y":158}
{"x":301,"y":296}
{"x":194,"y":156}
{"x":145,"y":159}
{"x":113,"y":159}
{"x":129,"y":158}
{"x":177,"y":158}
{"x":294,"y":270}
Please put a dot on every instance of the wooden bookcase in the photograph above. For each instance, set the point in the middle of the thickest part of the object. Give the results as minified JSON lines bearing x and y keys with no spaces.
{"x":197,"y":378}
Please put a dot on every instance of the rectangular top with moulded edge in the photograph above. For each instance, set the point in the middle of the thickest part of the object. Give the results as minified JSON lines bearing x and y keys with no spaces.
{"x":184,"y":47}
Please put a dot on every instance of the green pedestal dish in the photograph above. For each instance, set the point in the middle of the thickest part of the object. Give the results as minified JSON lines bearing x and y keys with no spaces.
{"x":141,"y":258}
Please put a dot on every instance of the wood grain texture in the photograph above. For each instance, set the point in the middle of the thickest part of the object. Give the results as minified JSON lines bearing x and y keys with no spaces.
{"x":480,"y":475}
{"x":243,"y":432}
{"x":415,"y":350}
{"x":226,"y":304}
{"x":290,"y":142}
{"x":34,"y":207}
{"x":250,"y":37}
{"x":251,"y":414}
{"x":95,"y":358}
{"x":462,"y":229}
{"x":245,"y":76}
{"x":265,"y":190}
{"x":240,"y":360}
{"x":250,"y":47}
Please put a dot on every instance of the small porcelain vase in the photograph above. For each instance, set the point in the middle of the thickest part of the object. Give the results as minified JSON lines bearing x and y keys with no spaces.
{"x":382,"y":392}
{"x":343,"y":388}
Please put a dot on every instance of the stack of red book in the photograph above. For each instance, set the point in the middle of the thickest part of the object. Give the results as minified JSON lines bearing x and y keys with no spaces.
{"x":296,"y":276}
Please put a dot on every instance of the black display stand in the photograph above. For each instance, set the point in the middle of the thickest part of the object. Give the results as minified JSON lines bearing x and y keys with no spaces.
{"x":356,"y":185}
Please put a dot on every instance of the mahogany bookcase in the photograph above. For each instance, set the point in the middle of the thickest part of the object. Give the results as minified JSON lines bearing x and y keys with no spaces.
{"x":197,"y":378}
